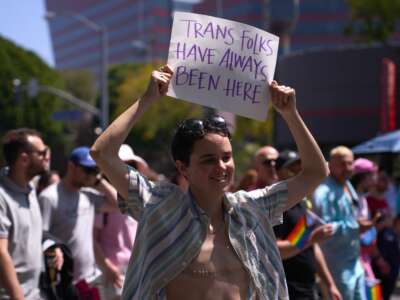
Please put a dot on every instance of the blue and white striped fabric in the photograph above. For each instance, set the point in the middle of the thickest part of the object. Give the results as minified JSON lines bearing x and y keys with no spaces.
{"x":172,"y":228}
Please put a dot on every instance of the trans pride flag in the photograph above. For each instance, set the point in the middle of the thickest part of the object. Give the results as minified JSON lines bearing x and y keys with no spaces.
{"x":300,"y":234}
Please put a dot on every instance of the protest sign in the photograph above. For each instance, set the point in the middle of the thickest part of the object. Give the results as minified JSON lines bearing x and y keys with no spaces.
{"x":222,"y":64}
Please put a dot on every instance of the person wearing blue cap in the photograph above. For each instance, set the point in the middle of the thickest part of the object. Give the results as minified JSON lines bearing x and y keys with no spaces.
{"x":68,"y":210}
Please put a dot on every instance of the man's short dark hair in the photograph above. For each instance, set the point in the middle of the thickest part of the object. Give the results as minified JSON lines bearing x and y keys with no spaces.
{"x":16,"y":141}
{"x":192,"y":130}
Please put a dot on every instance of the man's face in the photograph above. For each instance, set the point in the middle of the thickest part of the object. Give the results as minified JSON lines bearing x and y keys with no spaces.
{"x":382,"y":182}
{"x":211,"y":167}
{"x":83,"y":176}
{"x":265,"y":165}
{"x":369,"y":181}
{"x":47,"y":159}
{"x":37,"y":156}
{"x":341,"y":167}
{"x":292,"y":170}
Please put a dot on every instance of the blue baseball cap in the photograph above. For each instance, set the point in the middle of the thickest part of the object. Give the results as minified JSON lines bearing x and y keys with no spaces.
{"x":81,"y":157}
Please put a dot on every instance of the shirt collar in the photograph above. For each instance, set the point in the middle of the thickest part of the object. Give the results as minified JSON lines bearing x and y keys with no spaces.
{"x":198,"y":211}
{"x":13,"y":186}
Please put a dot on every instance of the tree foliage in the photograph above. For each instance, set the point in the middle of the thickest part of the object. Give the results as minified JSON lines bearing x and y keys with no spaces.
{"x":373,"y":20}
{"x":16,"y":108}
{"x":80,"y":83}
{"x":151,"y":136}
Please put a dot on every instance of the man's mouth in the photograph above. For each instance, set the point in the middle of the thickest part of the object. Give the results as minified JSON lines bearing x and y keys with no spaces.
{"x":221,"y":178}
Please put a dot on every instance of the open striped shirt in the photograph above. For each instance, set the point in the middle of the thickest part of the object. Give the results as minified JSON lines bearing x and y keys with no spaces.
{"x":172,"y":228}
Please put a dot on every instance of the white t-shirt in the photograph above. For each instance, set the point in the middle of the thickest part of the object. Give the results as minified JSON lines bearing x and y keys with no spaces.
{"x":69,"y":218}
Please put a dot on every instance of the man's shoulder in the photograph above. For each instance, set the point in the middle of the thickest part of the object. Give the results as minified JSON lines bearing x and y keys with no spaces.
{"x":4,"y":195}
{"x":325,"y":185}
{"x":4,"y":190}
{"x":90,"y":191}
{"x":323,"y":190}
{"x":279,"y":189}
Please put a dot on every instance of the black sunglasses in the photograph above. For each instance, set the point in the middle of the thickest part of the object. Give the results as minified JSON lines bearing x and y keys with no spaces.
{"x":90,"y":170}
{"x":41,"y":153}
{"x":197,"y":126}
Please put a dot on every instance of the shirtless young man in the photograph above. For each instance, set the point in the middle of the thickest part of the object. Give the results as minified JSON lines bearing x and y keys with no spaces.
{"x":206,"y":243}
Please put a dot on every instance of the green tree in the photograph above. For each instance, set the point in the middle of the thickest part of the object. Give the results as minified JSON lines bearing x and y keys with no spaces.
{"x":373,"y":20}
{"x":19,"y":110}
{"x":151,"y":136}
{"x":80,"y":83}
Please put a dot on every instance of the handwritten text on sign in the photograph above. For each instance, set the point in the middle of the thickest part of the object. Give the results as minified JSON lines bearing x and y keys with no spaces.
{"x":222,"y":64}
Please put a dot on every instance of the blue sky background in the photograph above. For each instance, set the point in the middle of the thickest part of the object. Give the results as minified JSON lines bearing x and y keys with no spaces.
{"x":22,"y":22}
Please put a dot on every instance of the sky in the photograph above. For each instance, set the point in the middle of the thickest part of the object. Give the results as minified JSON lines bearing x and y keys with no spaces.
{"x":22,"y":22}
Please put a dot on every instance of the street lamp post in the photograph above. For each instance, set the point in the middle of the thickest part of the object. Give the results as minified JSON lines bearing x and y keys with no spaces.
{"x":104,"y":106}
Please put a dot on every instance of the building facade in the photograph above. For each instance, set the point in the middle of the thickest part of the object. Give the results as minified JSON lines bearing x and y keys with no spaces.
{"x":338,"y":85}
{"x":139,"y":30}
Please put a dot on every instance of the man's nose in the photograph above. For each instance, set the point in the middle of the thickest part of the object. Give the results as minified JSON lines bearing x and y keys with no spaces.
{"x":221,"y":164}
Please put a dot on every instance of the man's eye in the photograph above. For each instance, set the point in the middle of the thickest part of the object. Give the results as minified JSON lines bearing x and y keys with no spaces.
{"x":226,"y":158}
{"x":209,"y":161}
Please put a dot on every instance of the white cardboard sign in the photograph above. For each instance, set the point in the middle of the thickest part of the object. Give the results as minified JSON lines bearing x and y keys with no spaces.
{"x":222,"y":64}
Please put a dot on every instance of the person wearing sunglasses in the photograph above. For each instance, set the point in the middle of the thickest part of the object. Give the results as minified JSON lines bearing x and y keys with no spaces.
{"x":264,"y":161}
{"x":302,"y":260}
{"x":205,"y":243}
{"x":68,"y":210}
{"x":20,"y":220}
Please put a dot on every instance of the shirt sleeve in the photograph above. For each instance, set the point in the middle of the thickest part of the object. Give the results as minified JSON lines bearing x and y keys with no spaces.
{"x":5,"y":222}
{"x":140,"y":192}
{"x":272,"y":199}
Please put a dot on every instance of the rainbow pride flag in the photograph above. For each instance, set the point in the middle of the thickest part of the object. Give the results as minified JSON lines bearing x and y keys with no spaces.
{"x":374,"y":291}
{"x":300,"y":234}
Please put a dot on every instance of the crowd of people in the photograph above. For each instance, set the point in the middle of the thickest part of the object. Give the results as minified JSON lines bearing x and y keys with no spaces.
{"x":290,"y":227}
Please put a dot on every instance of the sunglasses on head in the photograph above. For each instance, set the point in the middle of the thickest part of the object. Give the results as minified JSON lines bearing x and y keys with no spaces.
{"x":197,"y":126}
{"x":269,"y":162}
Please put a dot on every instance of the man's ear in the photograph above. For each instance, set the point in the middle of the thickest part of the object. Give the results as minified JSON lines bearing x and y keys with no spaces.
{"x":182,"y":168}
{"x":23,"y":158}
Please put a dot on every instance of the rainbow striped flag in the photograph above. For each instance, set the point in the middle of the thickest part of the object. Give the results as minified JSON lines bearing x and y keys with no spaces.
{"x":300,"y":234}
{"x":374,"y":291}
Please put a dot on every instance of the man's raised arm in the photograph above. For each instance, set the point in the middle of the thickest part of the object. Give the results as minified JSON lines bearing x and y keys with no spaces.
{"x":105,"y":149}
{"x":314,"y":167}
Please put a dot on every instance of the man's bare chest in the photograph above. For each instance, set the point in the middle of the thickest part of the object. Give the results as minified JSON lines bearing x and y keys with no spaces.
{"x":215,"y":273}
